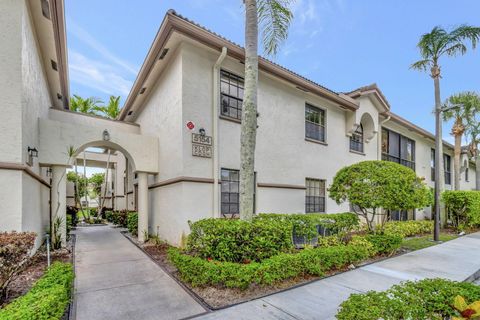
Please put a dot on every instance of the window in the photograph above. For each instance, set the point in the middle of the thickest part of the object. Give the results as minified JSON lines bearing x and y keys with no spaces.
{"x":230,"y":203}
{"x":315,"y":195}
{"x":356,"y":140}
{"x":447,"y":166}
{"x":314,"y":123}
{"x":401,"y":215}
{"x":231,"y":94}
{"x":398,"y":148}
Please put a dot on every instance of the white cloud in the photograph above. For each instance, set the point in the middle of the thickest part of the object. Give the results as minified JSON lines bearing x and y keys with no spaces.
{"x":97,"y":75}
{"x":86,"y":38}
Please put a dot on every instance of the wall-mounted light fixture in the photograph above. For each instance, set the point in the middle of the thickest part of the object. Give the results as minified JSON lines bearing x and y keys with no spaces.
{"x":201,"y":131}
{"x":49,"y":172}
{"x":106,"y":135}
{"x":32,"y":153}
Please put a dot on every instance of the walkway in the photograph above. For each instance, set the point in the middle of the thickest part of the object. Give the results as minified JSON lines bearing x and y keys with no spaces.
{"x":456,"y":260}
{"x":115,"y":280}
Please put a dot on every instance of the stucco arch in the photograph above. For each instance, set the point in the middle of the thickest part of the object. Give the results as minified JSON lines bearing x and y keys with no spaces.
{"x":369,"y":128}
{"x":80,"y":132}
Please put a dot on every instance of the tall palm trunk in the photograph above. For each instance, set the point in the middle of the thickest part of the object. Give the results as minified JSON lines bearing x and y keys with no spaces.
{"x":457,"y":131}
{"x":439,"y":176}
{"x":249,"y":112}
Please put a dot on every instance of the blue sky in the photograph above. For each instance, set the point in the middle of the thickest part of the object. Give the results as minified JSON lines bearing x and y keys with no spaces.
{"x":341,"y":44}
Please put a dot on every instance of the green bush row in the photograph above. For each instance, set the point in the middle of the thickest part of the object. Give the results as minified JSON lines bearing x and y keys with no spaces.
{"x":306,"y":224}
{"x":47,"y":299}
{"x":238,"y":240}
{"x":132,"y":223}
{"x":463,"y":208}
{"x":119,"y":218}
{"x":425,"y":299}
{"x":408,"y":228}
{"x":312,"y":261}
{"x":384,"y":244}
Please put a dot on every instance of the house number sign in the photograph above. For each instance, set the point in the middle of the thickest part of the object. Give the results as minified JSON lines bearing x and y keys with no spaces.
{"x":201,"y":145}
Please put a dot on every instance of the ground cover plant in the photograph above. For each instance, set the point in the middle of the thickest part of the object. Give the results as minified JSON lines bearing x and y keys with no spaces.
{"x":47,"y":299}
{"x":425,"y":299}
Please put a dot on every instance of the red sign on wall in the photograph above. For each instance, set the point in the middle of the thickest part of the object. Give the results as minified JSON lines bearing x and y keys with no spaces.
{"x":190,"y":125}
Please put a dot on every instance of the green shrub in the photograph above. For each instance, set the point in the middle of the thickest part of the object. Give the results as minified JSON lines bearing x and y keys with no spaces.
{"x":425,"y":299}
{"x":463,"y":208}
{"x":371,"y":185}
{"x":118,"y":218}
{"x":109,"y":216}
{"x":47,"y":299}
{"x":314,"y":261}
{"x":384,"y":243}
{"x":306,"y":225}
{"x":408,"y":228}
{"x":238,"y":240}
{"x":132,"y":223}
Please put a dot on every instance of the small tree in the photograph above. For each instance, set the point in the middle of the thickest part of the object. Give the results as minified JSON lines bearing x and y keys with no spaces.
{"x":373,"y":185}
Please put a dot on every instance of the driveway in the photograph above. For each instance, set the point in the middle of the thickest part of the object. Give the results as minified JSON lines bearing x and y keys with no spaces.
{"x":116,"y":280}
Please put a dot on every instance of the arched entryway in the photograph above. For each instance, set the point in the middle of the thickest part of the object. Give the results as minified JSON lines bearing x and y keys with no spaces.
{"x":62,"y":141}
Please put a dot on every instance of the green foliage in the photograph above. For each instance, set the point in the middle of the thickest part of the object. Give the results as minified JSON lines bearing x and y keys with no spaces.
{"x":384,"y":244}
{"x":132,"y":223}
{"x":371,"y":185}
{"x":109,"y":216}
{"x":425,"y":299}
{"x":313,"y":261}
{"x":96,"y":180}
{"x":47,"y":299}
{"x":408,"y":228}
{"x":463,"y":207}
{"x":88,"y":105}
{"x":118,"y":218}
{"x":418,"y":243}
{"x":274,"y":18}
{"x":80,"y":182}
{"x":306,"y":224}
{"x":238,"y":240}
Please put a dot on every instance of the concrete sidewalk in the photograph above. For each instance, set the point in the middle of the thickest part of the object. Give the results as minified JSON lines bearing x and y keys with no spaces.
{"x":458,"y":259}
{"x":115,"y":280}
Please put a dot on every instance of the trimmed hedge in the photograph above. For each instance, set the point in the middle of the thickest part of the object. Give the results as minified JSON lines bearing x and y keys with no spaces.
{"x":384,"y":243}
{"x":202,"y":272}
{"x":408,"y":228}
{"x":463,"y":207}
{"x":238,"y":240}
{"x":425,"y":299}
{"x":47,"y":299}
{"x":132,"y":223}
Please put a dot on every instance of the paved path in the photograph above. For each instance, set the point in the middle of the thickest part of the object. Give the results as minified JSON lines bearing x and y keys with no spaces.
{"x":115,"y":280}
{"x":456,"y":260}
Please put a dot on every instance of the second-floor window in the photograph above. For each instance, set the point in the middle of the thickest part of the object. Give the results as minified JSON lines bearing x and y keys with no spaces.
{"x":231,"y":95}
{"x":447,"y":166}
{"x":356,"y":140}
{"x":398,"y":148}
{"x":315,"y":195}
{"x":314,"y":123}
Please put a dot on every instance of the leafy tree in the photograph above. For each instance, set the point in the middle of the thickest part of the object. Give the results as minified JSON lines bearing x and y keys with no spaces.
{"x":274,"y":17}
{"x":96,"y":180}
{"x":463,"y":116}
{"x":433,"y":46}
{"x":112,"y":109}
{"x":373,"y":185}
{"x":88,"y":105}
{"x":79,"y":182}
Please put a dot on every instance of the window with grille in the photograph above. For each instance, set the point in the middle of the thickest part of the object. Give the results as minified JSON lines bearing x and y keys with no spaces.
{"x":356,"y":140}
{"x":315,"y":195}
{"x":447,"y":166}
{"x":401,"y":215}
{"x":230,"y":192}
{"x":314,"y":123}
{"x":231,"y":94}
{"x":398,"y":148}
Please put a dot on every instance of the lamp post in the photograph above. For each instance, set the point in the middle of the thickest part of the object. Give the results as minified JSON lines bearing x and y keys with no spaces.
{"x":438,"y":156}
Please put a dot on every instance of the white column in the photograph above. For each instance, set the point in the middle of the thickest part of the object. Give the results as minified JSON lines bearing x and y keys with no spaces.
{"x":142,"y":205}
{"x":58,"y":200}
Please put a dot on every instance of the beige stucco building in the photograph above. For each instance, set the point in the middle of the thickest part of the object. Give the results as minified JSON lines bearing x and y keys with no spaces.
{"x":177,"y":140}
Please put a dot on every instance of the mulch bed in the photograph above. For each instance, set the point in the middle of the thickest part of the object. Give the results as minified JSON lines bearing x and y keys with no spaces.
{"x":34,"y":269}
{"x":221,"y":297}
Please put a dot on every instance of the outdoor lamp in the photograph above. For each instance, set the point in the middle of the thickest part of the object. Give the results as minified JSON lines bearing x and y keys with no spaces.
{"x":32,"y":153}
{"x":106,"y":135}
{"x":202,"y":131}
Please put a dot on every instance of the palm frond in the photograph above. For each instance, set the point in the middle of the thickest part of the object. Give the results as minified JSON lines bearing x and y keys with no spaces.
{"x":274,"y":17}
{"x":421,"y":65}
{"x":456,"y":49}
{"x":429,"y":43}
{"x":466,"y":32}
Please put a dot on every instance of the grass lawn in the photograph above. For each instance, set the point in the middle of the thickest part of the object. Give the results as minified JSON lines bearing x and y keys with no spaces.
{"x":425,"y":241}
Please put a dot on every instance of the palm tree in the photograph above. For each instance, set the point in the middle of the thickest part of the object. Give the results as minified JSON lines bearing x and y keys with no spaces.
{"x":274,"y":18}
{"x":112,"y":109}
{"x":88,"y":105}
{"x":468,"y":103}
{"x":432,"y":47}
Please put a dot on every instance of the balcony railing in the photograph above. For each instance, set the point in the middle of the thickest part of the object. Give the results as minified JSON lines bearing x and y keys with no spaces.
{"x":403,"y":162}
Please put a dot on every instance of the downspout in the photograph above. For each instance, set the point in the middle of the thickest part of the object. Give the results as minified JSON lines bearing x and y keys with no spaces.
{"x":215,"y":108}
{"x":379,"y":138}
